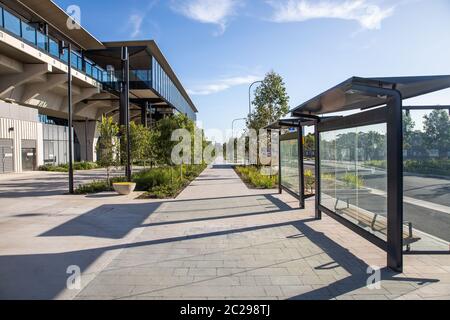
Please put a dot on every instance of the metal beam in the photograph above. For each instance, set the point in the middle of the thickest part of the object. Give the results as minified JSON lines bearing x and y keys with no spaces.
{"x":437,"y":107}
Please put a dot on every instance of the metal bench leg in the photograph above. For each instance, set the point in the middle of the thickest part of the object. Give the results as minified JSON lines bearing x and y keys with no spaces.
{"x":410,"y":231}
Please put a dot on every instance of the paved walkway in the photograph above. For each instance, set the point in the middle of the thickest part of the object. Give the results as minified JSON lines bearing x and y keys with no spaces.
{"x":217,"y":240}
{"x":220,"y":240}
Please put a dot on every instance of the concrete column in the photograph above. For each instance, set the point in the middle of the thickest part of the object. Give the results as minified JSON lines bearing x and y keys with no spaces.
{"x":40,"y":145}
{"x":87,"y":135}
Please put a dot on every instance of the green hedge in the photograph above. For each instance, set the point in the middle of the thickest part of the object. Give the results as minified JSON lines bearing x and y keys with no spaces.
{"x":65,"y":167}
{"x":252,"y":175}
{"x":436,"y":167}
{"x":430,"y":166}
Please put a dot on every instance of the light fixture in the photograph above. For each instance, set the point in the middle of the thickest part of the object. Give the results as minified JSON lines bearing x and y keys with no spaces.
{"x":11,"y":130}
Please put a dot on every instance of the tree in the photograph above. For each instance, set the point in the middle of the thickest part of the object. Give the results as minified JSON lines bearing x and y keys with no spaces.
{"x":437,"y":132}
{"x":139,"y":141}
{"x":151,"y":151}
{"x":107,"y":150}
{"x":408,"y":130}
{"x":271,"y":102}
{"x":165,"y":127}
{"x":310,"y":145}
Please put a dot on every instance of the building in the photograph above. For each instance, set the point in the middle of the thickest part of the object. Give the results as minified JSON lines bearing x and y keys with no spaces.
{"x":34,"y":39}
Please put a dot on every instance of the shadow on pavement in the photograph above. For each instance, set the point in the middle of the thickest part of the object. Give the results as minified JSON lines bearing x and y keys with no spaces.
{"x":113,"y":221}
{"x":43,"y":276}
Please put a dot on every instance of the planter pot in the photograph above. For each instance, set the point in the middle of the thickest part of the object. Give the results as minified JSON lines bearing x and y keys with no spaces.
{"x":124,"y":188}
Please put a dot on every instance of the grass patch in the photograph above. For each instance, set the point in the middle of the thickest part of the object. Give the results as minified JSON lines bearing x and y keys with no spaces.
{"x":253,"y":177}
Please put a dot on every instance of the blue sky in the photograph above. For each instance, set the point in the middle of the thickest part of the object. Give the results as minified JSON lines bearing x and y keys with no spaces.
{"x":217,"y":47}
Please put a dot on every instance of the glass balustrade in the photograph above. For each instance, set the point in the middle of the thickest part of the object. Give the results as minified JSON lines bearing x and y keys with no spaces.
{"x":15,"y":26}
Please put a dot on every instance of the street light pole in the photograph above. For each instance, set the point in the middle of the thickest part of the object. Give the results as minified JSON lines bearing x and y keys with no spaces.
{"x":68,"y":47}
{"x":125,"y":107}
{"x":232,"y":125}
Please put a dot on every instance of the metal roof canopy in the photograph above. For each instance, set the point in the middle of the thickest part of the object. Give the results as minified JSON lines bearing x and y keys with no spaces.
{"x":349,"y":95}
{"x":297,"y":122}
{"x":294,"y":122}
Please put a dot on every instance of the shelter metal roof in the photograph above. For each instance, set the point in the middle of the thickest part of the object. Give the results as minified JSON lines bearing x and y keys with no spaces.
{"x":293,"y":122}
{"x":345,"y":96}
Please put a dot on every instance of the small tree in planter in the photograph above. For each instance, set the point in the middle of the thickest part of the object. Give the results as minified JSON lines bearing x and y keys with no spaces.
{"x":107,"y":148}
{"x":139,"y":140}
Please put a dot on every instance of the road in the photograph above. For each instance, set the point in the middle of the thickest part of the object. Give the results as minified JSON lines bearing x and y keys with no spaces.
{"x":423,"y":218}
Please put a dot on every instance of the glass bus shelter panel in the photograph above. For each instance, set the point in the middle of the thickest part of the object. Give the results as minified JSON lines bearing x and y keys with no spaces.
{"x":426,"y":178}
{"x":354,"y":176}
{"x":289,"y":165}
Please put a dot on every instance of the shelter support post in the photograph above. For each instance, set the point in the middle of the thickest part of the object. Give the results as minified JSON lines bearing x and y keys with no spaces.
{"x":280,"y":188}
{"x":394,"y":123}
{"x":318,"y":213}
{"x":301,"y":168}
{"x":395,"y":182}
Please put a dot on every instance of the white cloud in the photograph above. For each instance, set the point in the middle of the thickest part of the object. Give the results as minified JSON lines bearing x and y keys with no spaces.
{"x":135,"y":22}
{"x":207,"y":11}
{"x":367,"y":13}
{"x":136,"y":19}
{"x":222,"y":85}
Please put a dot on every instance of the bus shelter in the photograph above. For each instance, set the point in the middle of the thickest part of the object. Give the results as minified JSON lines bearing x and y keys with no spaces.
{"x":370,"y":131}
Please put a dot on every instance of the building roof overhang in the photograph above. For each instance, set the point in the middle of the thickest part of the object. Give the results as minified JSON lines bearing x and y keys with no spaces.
{"x":350,"y":94}
{"x":57,"y":18}
{"x":141,"y":53}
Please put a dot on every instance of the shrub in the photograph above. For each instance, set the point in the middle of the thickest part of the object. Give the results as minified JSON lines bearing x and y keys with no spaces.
{"x":310,"y":181}
{"x":352,"y":180}
{"x":53,"y":168}
{"x":148,"y":179}
{"x":93,"y":187}
{"x":252,"y":175}
{"x":85,"y":166}
{"x":65,"y":167}
{"x":164,"y":191}
{"x":161,"y":183}
{"x":381,"y":164}
{"x":432,"y":166}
